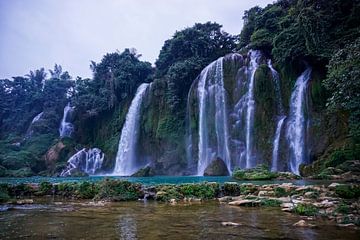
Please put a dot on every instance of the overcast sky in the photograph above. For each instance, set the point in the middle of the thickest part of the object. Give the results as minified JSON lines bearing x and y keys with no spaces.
{"x":40,"y":33}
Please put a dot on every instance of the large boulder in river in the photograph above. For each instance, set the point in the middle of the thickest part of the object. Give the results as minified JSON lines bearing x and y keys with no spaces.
{"x":216,"y":168}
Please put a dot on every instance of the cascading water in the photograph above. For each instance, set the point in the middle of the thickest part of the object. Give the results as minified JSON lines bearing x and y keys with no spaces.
{"x":66,"y":128}
{"x":30,"y":131}
{"x":212,"y":115}
{"x":86,"y":161}
{"x":126,"y":158}
{"x":297,"y":122}
{"x":37,"y":117}
{"x":281,"y":118}
{"x":275,"y":153}
{"x":250,"y":103}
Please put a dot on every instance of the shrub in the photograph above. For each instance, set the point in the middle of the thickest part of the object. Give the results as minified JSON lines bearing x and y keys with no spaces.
{"x":87,"y":190}
{"x":343,"y":208}
{"x":231,"y":189}
{"x":202,"y":190}
{"x":260,"y":172}
{"x":117,"y":190}
{"x":280,"y":192}
{"x":4,"y":193}
{"x":306,"y":209}
{"x":270,"y":203}
{"x":45,"y":188}
{"x":348,"y":191}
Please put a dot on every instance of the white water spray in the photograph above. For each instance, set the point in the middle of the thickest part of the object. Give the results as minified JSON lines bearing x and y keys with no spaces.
{"x":126,"y":156}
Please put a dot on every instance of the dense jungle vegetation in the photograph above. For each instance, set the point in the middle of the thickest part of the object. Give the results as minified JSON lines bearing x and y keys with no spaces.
{"x":324,"y":34}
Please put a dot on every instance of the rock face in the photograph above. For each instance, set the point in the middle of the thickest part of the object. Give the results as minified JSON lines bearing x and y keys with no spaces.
{"x":216,"y":168}
{"x":53,"y":154}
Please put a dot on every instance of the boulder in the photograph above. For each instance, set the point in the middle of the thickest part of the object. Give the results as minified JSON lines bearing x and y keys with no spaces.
{"x":216,"y":168}
{"x":144,"y":172}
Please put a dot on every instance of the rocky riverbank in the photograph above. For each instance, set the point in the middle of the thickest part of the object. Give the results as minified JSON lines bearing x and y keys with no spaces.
{"x":338,"y":201}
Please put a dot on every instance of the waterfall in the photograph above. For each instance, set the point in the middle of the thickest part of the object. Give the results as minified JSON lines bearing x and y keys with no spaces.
{"x":276,"y":79}
{"x":30,"y":131}
{"x":126,"y":156}
{"x":37,"y":117}
{"x":87,"y":161}
{"x":254,"y":63}
{"x":66,"y":128}
{"x":275,"y":153}
{"x":281,"y":117}
{"x":212,"y":115}
{"x":296,"y":122}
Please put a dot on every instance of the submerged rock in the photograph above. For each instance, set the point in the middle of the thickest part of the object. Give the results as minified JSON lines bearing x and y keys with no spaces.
{"x":303,"y":223}
{"x":216,"y":168}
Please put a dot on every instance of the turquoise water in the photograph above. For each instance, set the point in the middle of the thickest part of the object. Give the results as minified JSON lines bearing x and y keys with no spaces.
{"x":154,"y":180}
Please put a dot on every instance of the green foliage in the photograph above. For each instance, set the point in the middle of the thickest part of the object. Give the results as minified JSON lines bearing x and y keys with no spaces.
{"x":201,"y":190}
{"x":348,"y":191}
{"x":168,"y":192}
{"x":306,"y":209}
{"x":202,"y":41}
{"x":66,"y":189}
{"x":270,"y":203}
{"x":343,"y":208}
{"x":116,"y":190}
{"x":4,"y":193}
{"x":88,"y":190}
{"x":338,"y":157}
{"x":45,"y":188}
{"x":280,"y":192}
{"x":260,"y":172}
{"x":343,"y":82}
{"x":231,"y":189}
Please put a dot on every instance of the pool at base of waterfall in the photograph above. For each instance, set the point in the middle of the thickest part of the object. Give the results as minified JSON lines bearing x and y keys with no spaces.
{"x":152,"y":220}
{"x":156,"y":180}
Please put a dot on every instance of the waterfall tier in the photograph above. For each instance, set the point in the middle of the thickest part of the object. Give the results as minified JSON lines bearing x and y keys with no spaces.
{"x":126,"y":162}
{"x":66,"y":127}
{"x":86,"y":161}
{"x":296,"y":128}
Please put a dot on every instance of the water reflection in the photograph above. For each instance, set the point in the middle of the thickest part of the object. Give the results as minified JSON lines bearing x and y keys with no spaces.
{"x":136,"y":220}
{"x":127,"y":228}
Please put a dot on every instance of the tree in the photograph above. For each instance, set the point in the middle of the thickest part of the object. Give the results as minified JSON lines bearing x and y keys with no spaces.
{"x":343,"y":82}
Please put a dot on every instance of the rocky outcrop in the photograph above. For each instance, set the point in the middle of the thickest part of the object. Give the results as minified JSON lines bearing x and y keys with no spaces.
{"x":216,"y":168}
{"x":53,"y":154}
{"x":144,"y":172}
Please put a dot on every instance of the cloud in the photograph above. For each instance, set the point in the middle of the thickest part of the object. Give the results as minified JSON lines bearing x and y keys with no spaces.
{"x":40,"y":33}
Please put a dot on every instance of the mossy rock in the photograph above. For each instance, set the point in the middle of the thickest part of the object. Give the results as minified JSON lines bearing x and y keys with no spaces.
{"x":306,"y":210}
{"x":144,"y":172}
{"x":260,"y":172}
{"x":201,"y":190}
{"x":231,"y":189}
{"x":117,"y":190}
{"x":348,"y":191}
{"x":216,"y":168}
